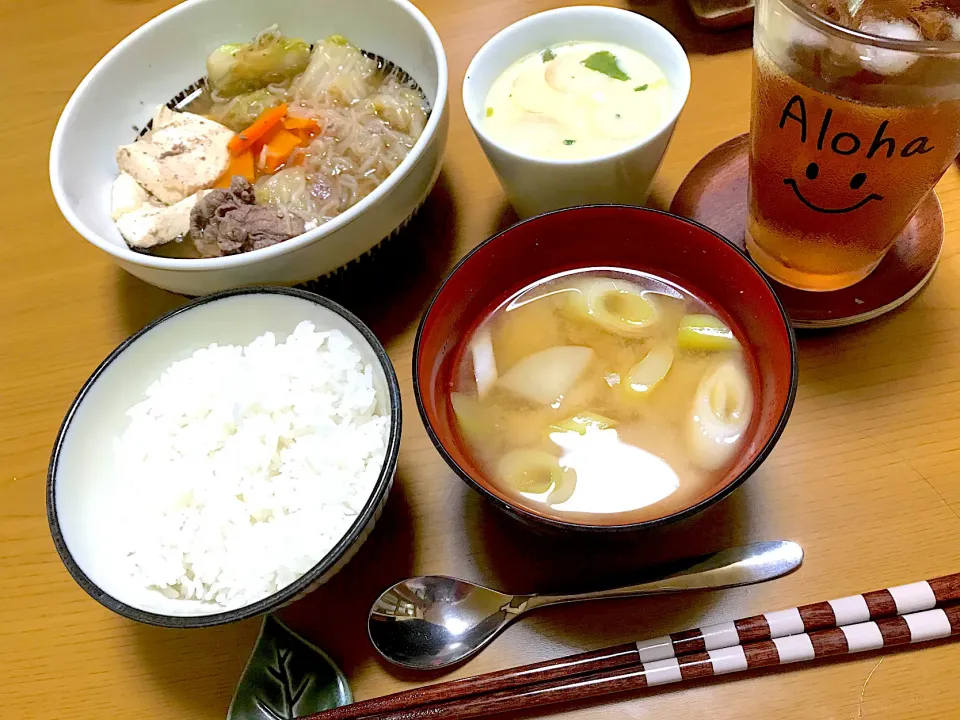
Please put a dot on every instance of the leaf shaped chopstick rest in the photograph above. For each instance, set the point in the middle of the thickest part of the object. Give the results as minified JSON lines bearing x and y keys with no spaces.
{"x":286,"y":677}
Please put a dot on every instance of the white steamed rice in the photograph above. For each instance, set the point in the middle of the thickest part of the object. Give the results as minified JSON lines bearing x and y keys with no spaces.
{"x":246,"y":465}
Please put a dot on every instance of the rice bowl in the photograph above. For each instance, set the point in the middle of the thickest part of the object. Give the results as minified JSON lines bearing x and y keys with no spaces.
{"x":230,"y":496}
{"x":246,"y":465}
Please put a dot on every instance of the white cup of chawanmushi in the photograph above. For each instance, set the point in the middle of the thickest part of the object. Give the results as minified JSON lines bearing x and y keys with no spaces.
{"x":576,"y":106}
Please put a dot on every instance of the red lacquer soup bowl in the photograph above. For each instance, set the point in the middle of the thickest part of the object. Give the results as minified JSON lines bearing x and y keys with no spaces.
{"x":634,"y":239}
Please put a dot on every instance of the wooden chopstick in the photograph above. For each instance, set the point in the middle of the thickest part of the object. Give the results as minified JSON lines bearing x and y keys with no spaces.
{"x":847,"y":639}
{"x":875,"y":605}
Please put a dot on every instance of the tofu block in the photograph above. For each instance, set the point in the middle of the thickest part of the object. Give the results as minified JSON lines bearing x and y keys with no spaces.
{"x":153,"y":225}
{"x":127,"y":195}
{"x":182,"y":154}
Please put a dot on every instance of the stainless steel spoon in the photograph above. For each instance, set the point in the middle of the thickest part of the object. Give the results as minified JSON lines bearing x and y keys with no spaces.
{"x":431,"y":622}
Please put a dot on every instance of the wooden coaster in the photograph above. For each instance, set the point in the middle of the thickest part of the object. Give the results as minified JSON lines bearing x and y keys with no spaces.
{"x":715,"y":194}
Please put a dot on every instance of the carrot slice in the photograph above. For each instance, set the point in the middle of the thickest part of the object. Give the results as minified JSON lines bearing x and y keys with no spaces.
{"x":279,"y":147}
{"x":241,"y":165}
{"x":256,"y":147}
{"x":265,"y":122}
{"x":296,"y":122}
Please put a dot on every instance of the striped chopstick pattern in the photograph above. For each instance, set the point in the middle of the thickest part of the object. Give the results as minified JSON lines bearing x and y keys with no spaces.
{"x":713,"y":650}
{"x":849,"y":639}
{"x":876,"y":605}
{"x":859,"y":637}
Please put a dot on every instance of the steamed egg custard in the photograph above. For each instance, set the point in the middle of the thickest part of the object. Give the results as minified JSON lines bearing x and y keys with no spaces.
{"x":577,"y":100}
{"x":603,"y":392}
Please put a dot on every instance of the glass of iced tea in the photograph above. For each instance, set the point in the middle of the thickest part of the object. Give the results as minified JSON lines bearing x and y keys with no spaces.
{"x":856,"y":115}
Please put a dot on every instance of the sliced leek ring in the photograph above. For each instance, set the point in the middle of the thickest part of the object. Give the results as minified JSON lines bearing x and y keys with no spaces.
{"x":722,"y":407}
{"x":617,"y":306}
{"x":581,"y":421}
{"x":705,"y":333}
{"x":644,"y":377}
{"x":530,"y":471}
{"x":564,"y":489}
{"x":470,"y":414}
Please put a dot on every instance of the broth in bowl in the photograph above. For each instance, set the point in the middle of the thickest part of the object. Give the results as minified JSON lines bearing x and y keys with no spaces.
{"x":603,"y":392}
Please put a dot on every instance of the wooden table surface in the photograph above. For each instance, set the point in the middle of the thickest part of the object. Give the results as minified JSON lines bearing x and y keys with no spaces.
{"x":866,"y":477}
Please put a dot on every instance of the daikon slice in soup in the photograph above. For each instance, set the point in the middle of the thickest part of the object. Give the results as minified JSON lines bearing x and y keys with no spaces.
{"x":603,"y":392}
{"x":577,"y":100}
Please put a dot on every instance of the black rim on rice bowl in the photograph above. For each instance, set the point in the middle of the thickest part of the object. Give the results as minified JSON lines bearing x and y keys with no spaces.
{"x":329,"y":562}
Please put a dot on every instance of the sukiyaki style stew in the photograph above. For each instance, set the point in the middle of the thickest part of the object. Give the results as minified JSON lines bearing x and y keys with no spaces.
{"x":279,"y":138}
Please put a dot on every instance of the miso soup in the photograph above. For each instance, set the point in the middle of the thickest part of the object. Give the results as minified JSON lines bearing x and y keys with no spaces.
{"x":603,"y":392}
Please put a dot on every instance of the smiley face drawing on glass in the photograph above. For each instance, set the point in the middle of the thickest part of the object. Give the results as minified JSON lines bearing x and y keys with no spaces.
{"x":841,"y":144}
{"x":856,"y":182}
{"x":833,"y":182}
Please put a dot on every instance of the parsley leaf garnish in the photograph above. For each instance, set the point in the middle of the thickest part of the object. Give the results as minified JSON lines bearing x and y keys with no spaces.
{"x":605,"y":62}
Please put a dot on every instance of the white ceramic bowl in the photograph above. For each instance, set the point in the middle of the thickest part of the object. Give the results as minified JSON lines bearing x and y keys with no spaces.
{"x":535,"y":185}
{"x":166,"y":55}
{"x":83,"y":483}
